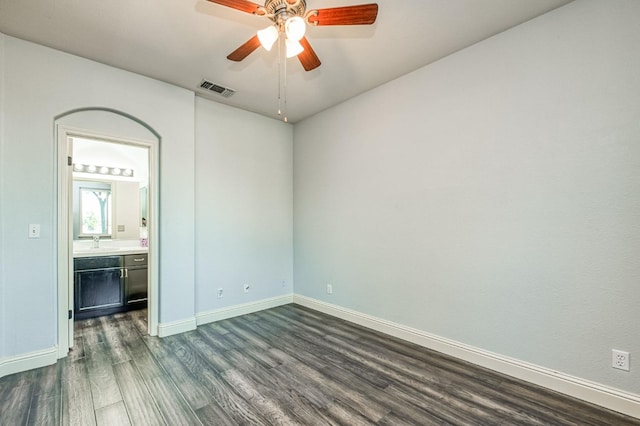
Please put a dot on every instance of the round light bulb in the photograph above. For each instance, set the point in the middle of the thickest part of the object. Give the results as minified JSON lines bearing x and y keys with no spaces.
{"x":295,"y":28}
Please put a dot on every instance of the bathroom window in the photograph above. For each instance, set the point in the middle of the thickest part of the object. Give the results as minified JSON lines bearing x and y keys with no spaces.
{"x":96,"y":211}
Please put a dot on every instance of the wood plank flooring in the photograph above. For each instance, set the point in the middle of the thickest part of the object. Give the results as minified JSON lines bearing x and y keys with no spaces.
{"x":284,"y":366}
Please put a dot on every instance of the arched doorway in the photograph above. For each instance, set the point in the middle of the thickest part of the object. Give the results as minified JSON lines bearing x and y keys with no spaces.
{"x":110,"y":127}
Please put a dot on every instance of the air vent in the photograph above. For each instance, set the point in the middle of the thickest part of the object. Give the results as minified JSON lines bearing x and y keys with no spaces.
{"x":212,"y":87}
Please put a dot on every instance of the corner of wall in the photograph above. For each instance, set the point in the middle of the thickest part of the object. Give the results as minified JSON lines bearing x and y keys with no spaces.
{"x":2,"y":180}
{"x":176,"y":327}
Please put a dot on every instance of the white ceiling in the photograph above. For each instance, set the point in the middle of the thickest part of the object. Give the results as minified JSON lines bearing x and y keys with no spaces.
{"x":183,"y":41}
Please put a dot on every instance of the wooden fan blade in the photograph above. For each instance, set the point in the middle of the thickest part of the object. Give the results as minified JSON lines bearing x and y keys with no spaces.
{"x":308,"y":57}
{"x":245,"y":50}
{"x":363,"y":14}
{"x":243,"y":5}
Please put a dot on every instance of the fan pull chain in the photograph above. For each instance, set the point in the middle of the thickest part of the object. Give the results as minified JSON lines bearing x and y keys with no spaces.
{"x":282,"y":79}
{"x":279,"y":72}
{"x":286,"y":120}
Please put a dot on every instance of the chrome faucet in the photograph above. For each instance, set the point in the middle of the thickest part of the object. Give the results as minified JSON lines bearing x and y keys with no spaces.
{"x":96,"y":241}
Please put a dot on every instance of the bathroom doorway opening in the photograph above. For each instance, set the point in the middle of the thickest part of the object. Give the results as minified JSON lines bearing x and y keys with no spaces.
{"x":107,"y":229}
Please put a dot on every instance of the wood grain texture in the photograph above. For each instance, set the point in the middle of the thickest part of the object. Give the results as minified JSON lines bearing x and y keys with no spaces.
{"x":104,"y":389}
{"x":286,"y":365}
{"x":45,"y":410}
{"x":245,"y":50}
{"x":114,"y":414}
{"x":171,"y":404}
{"x":308,"y":57}
{"x":361,"y":14}
{"x":77,"y":404}
{"x":242,"y":5}
{"x":140,"y":404}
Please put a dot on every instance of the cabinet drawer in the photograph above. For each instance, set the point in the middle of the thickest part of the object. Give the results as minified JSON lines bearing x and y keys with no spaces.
{"x":99,"y":262}
{"x":135,"y":260}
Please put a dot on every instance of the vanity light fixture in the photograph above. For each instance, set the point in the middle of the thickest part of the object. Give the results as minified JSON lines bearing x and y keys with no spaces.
{"x":103,"y":170}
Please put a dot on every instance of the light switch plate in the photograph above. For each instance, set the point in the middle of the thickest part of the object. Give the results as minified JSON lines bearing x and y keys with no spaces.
{"x":34,"y":230}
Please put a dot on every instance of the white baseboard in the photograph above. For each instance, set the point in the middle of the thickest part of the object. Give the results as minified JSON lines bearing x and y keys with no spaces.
{"x":243,"y":309}
{"x":176,"y":327}
{"x":28,"y":361}
{"x":595,"y":393}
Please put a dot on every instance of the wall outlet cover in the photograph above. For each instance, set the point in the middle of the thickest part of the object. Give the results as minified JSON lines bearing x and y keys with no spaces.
{"x":620,"y":359}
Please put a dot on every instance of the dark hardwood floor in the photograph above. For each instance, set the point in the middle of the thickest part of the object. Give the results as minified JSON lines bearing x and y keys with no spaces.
{"x":287,"y":365}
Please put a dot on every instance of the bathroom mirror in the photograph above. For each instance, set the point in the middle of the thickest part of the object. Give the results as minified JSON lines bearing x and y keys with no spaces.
{"x":107,"y":208}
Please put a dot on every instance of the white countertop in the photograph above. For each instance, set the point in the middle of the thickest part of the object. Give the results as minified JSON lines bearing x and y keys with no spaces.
{"x":110,"y":251}
{"x":108,"y":248}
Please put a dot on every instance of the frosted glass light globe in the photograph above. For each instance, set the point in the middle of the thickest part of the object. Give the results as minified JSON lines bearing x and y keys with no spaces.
{"x":268,"y":37}
{"x":294,"y":48}
{"x":295,"y":28}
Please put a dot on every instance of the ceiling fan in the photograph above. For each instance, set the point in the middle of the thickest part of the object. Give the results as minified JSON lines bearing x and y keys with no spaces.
{"x":290,"y":18}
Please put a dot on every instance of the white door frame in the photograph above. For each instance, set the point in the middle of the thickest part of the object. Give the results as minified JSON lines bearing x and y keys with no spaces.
{"x":65,"y":230}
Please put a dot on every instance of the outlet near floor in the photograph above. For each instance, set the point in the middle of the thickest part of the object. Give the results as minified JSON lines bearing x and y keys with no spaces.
{"x":220,"y":293}
{"x":620,"y":359}
{"x":246,"y":288}
{"x":329,"y":289}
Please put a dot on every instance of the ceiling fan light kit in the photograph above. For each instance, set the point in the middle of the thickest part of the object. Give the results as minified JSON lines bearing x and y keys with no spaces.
{"x":295,"y":28}
{"x":268,"y":37}
{"x":294,"y":48}
{"x":290,"y":18}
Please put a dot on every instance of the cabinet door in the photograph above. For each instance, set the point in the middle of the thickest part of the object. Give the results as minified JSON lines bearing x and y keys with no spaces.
{"x":136,"y":285}
{"x":97,"y":289}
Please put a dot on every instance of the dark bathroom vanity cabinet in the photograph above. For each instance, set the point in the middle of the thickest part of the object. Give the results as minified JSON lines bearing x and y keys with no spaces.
{"x":105,"y":285}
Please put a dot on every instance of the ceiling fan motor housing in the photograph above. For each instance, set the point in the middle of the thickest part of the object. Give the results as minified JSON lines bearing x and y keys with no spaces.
{"x":279,"y":10}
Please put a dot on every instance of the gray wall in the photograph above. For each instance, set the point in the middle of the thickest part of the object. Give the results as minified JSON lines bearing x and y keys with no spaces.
{"x":28,"y":276}
{"x":244,"y":206}
{"x":3,"y":297}
{"x":490,"y":198}
{"x":29,"y":181}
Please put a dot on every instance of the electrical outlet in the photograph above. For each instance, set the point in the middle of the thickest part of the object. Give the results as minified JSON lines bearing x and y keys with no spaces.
{"x":620,"y":359}
{"x":329,"y":289}
{"x":220,"y":293}
{"x":246,"y":288}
